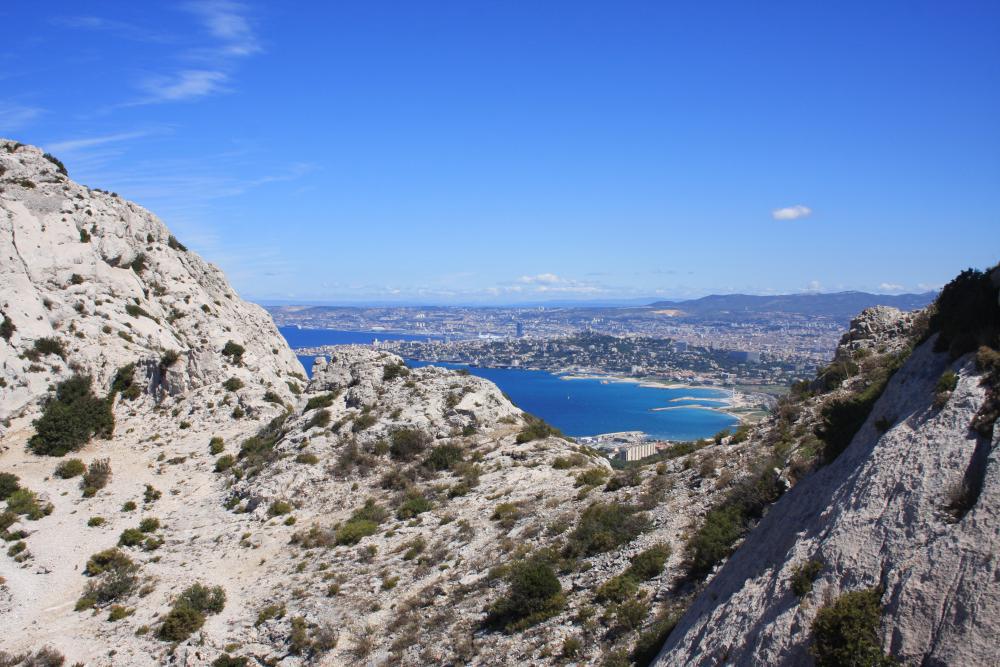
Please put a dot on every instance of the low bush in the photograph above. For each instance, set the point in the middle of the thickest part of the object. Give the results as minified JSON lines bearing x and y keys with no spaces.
{"x":234,"y":351}
{"x":125,"y":384}
{"x":279,"y":507}
{"x":803,"y":576}
{"x":444,"y":457}
{"x":407,"y":443}
{"x":965,"y":314}
{"x":44,"y":346}
{"x":7,"y":327}
{"x":8,"y":484}
{"x":224,"y":462}
{"x":603,"y":527}
{"x":114,"y":577}
{"x":536,"y":429}
{"x":189,"y":610}
{"x":96,"y":478}
{"x":591,"y":477}
{"x":846,"y":632}
{"x":70,"y":468}
{"x":233,"y":384}
{"x":506,"y":514}
{"x":25,"y":502}
{"x":393,"y":371}
{"x":364,"y":522}
{"x":216,"y":445}
{"x":131,"y":537}
{"x":150,"y":524}
{"x":319,"y":420}
{"x":322,"y":401}
{"x":71,"y":418}
{"x":534,"y":594}
{"x":412,"y":505}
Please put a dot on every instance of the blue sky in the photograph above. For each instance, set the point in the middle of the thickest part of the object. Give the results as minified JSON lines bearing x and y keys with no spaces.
{"x":506,"y":152}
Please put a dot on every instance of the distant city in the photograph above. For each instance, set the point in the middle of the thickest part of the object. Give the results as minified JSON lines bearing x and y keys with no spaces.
{"x":763,"y":342}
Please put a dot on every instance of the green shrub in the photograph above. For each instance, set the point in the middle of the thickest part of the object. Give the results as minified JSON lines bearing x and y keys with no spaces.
{"x":131,"y":537}
{"x":407,"y":443}
{"x":947,"y":382}
{"x":61,"y":168}
{"x":114,"y":577}
{"x":536,"y":429}
{"x":71,"y":418}
{"x":150,"y":494}
{"x":363,"y":422}
{"x":649,"y":563}
{"x":189,"y":610}
{"x":354,"y":531}
{"x":965,"y":314}
{"x":279,"y":507}
{"x":96,"y":478}
{"x":149,"y":525}
{"x":129,"y":506}
{"x":591,"y":477}
{"x":846,"y":632}
{"x":649,"y":643}
{"x":8,"y":484}
{"x":224,"y":462}
{"x":605,"y":526}
{"x":444,"y":457}
{"x":124,"y":383}
{"x":226,"y":660}
{"x":215,"y":445}
{"x":574,"y":460}
{"x":96,"y":521}
{"x":322,"y":401}
{"x":272,"y":397}
{"x":25,"y":502}
{"x":70,"y":468}
{"x":233,"y":384}
{"x":534,"y":595}
{"x":393,"y":371}
{"x":118,"y":612}
{"x":7,"y":327}
{"x":306,"y":457}
{"x":714,"y":541}
{"x":319,"y":420}
{"x":173,"y":243}
{"x":617,"y":589}
{"x":234,"y":351}
{"x":506,"y":514}
{"x":803,"y":576}
{"x":413,"y":505}
{"x":269,"y":612}
{"x":44,"y":346}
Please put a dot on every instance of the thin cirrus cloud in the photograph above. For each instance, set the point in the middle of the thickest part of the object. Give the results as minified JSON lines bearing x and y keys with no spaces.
{"x":227,"y":22}
{"x":71,"y":145}
{"x":182,"y":86}
{"x":15,"y":116}
{"x":796,"y":212}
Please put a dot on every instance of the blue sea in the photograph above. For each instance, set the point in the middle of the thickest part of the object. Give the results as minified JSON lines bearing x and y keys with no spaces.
{"x":578,"y":407}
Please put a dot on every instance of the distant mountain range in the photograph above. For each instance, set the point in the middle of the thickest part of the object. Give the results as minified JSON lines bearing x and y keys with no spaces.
{"x":841,"y":306}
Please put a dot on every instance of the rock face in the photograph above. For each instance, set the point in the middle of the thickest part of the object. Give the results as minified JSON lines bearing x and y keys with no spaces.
{"x":105,"y":279}
{"x":879,"y":329}
{"x":881,"y":515}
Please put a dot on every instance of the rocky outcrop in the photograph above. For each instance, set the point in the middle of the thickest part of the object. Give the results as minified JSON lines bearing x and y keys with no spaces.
{"x":889,"y":513}
{"x":104,"y":278}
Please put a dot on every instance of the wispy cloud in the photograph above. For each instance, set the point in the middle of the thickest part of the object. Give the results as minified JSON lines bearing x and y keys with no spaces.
{"x":890,"y":287}
{"x":15,"y":116}
{"x":227,"y":21}
{"x":796,"y":212}
{"x":71,"y":145}
{"x":114,"y":27}
{"x":541,"y":279}
{"x":182,"y":86}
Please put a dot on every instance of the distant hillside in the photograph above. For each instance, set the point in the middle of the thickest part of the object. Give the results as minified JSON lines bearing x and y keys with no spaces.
{"x":840,"y":306}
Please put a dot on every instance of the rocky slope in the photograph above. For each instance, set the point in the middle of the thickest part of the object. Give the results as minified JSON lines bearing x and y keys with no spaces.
{"x":374,"y":514}
{"x":910,"y":510}
{"x":377,"y":514}
{"x":105,"y":280}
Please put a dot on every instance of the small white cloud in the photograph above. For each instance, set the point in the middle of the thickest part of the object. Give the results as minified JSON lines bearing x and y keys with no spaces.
{"x":814,"y":286}
{"x":796,"y":212}
{"x":541,"y":279}
{"x":185,"y":85}
{"x":890,"y":287}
